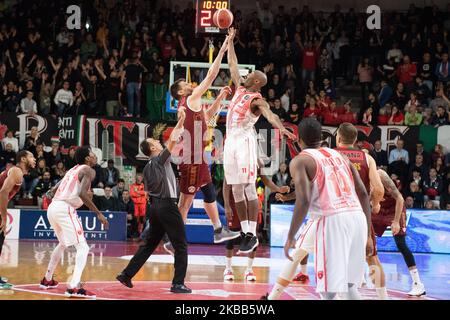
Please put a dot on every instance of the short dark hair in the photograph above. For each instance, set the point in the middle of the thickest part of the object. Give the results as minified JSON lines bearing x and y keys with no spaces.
{"x":174,"y":88}
{"x":120,"y":180}
{"x":348,"y":132}
{"x":310,"y":131}
{"x":145,"y":148}
{"x":81,"y":153}
{"x":21,"y":154}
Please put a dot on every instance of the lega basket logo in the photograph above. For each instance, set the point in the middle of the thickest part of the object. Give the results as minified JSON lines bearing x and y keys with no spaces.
{"x":320,"y":274}
{"x":191,"y":189}
{"x":80,"y":232}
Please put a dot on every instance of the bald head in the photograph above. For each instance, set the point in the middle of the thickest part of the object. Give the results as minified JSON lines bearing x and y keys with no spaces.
{"x":255,"y":80}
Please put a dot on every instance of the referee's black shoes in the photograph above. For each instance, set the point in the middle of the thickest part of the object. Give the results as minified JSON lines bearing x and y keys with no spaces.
{"x":180,"y":288}
{"x":125,"y":280}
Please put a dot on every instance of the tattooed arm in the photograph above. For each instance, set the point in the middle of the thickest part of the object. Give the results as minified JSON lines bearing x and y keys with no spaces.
{"x":393,"y":191}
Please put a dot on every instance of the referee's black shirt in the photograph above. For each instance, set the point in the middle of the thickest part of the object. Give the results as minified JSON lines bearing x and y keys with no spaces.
{"x":159,"y":178}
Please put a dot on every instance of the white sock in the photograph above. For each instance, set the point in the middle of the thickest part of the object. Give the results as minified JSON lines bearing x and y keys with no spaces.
{"x":217,"y":225}
{"x":276,"y":292}
{"x":353,"y":293}
{"x":229,"y":262}
{"x":382,"y":293}
{"x":80,"y":263}
{"x":304,"y":268}
{"x":244,"y":226}
{"x":54,"y":260}
{"x":250,"y":264}
{"x":252,"y":227}
{"x":415,"y":275}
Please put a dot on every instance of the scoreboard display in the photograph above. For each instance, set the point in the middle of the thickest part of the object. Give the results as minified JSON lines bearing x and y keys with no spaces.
{"x":205,"y":12}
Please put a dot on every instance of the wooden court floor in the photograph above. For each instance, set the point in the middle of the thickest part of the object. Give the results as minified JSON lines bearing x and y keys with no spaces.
{"x":24,"y":264}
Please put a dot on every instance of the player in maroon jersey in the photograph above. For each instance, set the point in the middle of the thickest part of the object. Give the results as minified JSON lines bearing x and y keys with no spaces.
{"x":10,"y":183}
{"x":393,"y":214}
{"x":194,"y":170}
{"x":346,"y":137}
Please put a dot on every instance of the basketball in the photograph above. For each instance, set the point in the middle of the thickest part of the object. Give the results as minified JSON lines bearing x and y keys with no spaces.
{"x":223,"y":18}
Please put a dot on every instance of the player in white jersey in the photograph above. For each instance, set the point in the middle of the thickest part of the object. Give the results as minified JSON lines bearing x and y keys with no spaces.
{"x":330,"y":189}
{"x":240,"y":151}
{"x":72,"y":193}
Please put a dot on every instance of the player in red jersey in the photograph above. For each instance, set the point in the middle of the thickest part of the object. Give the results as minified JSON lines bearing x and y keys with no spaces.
{"x":10,"y":183}
{"x":70,"y":194}
{"x":393,"y":214}
{"x":235,"y":225}
{"x":240,"y":150}
{"x":194,"y":170}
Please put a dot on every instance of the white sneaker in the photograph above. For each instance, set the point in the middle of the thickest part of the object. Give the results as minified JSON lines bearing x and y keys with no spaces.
{"x":418,"y":289}
{"x":228,"y":275}
{"x":249,"y":275}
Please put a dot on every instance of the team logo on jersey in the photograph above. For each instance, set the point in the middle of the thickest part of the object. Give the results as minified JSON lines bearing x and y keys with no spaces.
{"x":80,"y":232}
{"x":320,"y":274}
{"x":246,"y":97}
{"x":191,"y":189}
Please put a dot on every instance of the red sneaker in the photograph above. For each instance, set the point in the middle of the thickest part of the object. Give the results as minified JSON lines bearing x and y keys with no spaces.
{"x":80,"y":293}
{"x":45,"y":284}
{"x":301,"y":277}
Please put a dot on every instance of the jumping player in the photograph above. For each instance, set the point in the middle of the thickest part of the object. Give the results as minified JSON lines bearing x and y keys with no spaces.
{"x":10,"y":183}
{"x":235,"y":225}
{"x":71,"y":194}
{"x":330,"y":189}
{"x":240,"y":150}
{"x":393,"y":214}
{"x":194,"y":170}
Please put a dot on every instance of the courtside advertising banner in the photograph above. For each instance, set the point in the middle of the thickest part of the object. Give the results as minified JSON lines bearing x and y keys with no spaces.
{"x":13,"y":224}
{"x":34,"y":225}
{"x":427,"y":231}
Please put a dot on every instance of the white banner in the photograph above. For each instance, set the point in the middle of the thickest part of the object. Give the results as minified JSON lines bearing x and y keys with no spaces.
{"x":12,"y":230}
{"x":443,"y":137}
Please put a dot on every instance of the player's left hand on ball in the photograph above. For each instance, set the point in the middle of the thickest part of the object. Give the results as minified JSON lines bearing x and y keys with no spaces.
{"x":104,"y":221}
{"x":290,"y":244}
{"x":395,"y":227}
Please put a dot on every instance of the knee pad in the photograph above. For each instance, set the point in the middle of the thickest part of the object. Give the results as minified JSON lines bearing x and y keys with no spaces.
{"x":238,"y":192}
{"x":250,"y":192}
{"x":209,"y":192}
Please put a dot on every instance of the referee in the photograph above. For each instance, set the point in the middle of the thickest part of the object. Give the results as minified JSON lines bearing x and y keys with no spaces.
{"x":160,"y":183}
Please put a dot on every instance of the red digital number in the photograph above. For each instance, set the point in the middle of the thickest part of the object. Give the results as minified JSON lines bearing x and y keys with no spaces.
{"x":205,"y":18}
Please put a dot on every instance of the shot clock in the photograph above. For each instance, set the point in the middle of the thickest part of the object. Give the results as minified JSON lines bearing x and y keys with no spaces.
{"x":205,"y":12}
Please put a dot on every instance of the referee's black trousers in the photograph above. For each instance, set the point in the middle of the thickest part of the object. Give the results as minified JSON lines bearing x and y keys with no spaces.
{"x":164,"y":218}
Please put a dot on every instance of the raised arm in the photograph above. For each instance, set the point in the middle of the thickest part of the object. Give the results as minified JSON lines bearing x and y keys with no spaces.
{"x":86,"y":176}
{"x":177,"y":131}
{"x":200,"y":90}
{"x":215,"y":107}
{"x":264,"y":107}
{"x":15,"y":177}
{"x":393,"y":191}
{"x":232,"y":59}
